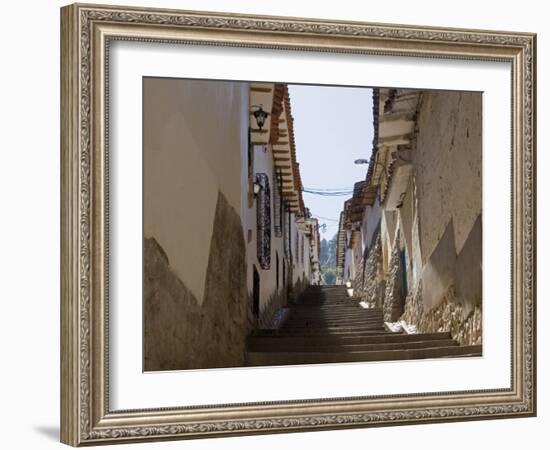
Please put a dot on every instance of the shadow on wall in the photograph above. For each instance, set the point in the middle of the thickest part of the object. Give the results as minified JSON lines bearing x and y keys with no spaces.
{"x":179,"y":333}
{"x":279,"y":299}
{"x":445,"y":268}
{"x":453,"y":283}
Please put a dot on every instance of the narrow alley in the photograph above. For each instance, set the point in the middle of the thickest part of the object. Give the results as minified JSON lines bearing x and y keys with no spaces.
{"x":236,"y":272}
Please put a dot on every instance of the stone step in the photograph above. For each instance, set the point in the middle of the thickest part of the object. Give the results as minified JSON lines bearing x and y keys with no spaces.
{"x":319,"y":300}
{"x":313,"y":345}
{"x":339,"y":320}
{"x":305,"y":332}
{"x":339,"y":311}
{"x":326,"y":286}
{"x":285,"y":358}
{"x":325,"y":332}
{"x":309,"y":323}
{"x":327,"y":307}
{"x":326,"y":293}
{"x":331,"y":326}
{"x":340,"y":292}
{"x":350,"y":307}
{"x":359,"y":315}
{"x":271,"y":336}
{"x":331,"y":329}
{"x":357,"y":312}
{"x":334,"y":294}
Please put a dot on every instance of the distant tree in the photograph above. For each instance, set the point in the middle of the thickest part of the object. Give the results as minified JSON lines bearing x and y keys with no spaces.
{"x":329,"y":276}
{"x":323,"y":253}
{"x":332,"y":252}
{"x":327,"y":259}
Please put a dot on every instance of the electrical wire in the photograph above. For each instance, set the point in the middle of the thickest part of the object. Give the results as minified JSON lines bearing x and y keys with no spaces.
{"x":330,"y":189}
{"x":324,"y":218}
{"x":323,"y":193}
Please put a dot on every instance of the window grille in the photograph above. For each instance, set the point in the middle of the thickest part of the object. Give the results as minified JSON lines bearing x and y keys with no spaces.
{"x":263,"y":221}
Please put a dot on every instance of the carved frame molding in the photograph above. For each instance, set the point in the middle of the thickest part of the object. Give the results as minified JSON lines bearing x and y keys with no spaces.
{"x":86,"y":31}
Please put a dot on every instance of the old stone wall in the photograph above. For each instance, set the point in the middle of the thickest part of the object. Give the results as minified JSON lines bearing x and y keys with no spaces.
{"x":374,"y":287}
{"x":276,"y":301}
{"x":447,"y":316}
{"x":297,"y":288}
{"x":431,"y":246}
{"x":179,"y":331}
{"x":270,"y":316}
{"x":358,"y":281}
{"x":394,"y":300}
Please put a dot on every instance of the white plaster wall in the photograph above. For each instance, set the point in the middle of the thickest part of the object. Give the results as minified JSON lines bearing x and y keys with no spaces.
{"x":448,"y":148}
{"x":300,"y":245}
{"x":405,"y":214}
{"x":306,"y":257}
{"x":263,"y":163}
{"x":348,"y":260}
{"x":193,"y":143}
{"x":297,"y":246}
{"x":357,"y":253}
{"x":387,"y":236}
{"x":447,"y":177}
{"x":416,"y":253}
{"x":371,"y":219}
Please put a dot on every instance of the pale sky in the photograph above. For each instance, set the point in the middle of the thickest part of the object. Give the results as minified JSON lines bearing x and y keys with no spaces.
{"x":332,"y":127}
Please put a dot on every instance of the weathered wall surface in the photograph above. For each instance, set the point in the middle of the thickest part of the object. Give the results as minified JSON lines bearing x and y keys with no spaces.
{"x":447,"y":160}
{"x":447,"y":294}
{"x":271,"y":296}
{"x":430,"y":249}
{"x":394,"y":298}
{"x":446,"y":268}
{"x":448,"y":315}
{"x":370,"y":224}
{"x":194,"y":140}
{"x":294,"y":271}
{"x":373,"y":288}
{"x":181,"y":332}
{"x":439,"y":271}
{"x":468,"y":270}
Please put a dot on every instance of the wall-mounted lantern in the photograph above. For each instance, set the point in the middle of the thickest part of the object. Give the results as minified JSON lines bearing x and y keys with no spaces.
{"x":260,"y":115}
{"x":256,"y":188}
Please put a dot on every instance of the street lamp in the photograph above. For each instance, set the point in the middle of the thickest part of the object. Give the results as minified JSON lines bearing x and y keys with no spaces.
{"x":256,"y":188}
{"x":361,"y":161}
{"x":260,"y":115}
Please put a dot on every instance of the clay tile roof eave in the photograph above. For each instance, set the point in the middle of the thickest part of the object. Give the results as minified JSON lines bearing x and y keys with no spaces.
{"x":357,"y":205}
{"x":276,"y":109}
{"x":375,"y":119}
{"x":292,"y":142}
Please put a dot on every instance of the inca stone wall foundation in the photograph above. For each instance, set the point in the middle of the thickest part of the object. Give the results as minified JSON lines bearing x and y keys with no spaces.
{"x":179,"y":332}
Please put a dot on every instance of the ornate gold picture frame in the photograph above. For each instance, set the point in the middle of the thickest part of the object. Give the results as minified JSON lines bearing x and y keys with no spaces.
{"x":87,"y":32}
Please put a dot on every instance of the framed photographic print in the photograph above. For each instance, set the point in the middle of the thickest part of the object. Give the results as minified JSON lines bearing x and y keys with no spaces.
{"x":277,"y":224}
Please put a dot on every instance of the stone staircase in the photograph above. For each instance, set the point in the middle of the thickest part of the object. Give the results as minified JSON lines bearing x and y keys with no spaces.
{"x":327,"y":326}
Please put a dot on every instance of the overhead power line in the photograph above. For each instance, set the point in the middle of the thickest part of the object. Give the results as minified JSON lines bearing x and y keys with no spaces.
{"x":327,"y":193}
{"x":324,"y":218}
{"x":330,"y":189}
